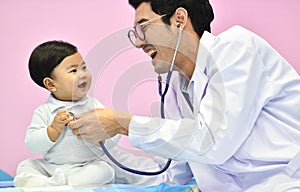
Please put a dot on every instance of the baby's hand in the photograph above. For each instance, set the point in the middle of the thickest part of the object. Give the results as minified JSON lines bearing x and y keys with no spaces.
{"x":61,"y":119}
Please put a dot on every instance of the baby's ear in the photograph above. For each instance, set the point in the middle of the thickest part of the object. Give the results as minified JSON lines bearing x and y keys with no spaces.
{"x":49,"y":84}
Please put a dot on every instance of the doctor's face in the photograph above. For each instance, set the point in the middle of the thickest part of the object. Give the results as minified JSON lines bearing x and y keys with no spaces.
{"x":158,"y":39}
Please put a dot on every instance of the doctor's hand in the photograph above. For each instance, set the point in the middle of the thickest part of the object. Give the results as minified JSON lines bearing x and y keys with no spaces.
{"x":100,"y":124}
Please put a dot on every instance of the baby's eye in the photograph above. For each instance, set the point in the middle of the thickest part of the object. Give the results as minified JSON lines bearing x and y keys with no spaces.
{"x":82,"y":67}
{"x":73,"y":71}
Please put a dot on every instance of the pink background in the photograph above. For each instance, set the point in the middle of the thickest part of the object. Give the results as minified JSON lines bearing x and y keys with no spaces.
{"x":25,"y":24}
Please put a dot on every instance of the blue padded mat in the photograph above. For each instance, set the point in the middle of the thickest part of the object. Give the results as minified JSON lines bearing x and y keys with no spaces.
{"x":5,"y":177}
{"x":6,"y":180}
{"x":116,"y":188}
{"x":7,"y":186}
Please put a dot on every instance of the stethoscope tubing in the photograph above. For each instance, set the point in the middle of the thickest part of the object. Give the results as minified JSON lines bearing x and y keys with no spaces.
{"x":130,"y":169}
{"x":162,"y":94}
{"x":162,"y":101}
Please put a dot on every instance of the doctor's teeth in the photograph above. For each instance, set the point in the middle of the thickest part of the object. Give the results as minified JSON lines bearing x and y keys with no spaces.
{"x":152,"y":52}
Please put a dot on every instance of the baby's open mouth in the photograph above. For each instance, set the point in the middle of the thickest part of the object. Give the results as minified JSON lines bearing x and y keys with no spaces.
{"x":82,"y":85}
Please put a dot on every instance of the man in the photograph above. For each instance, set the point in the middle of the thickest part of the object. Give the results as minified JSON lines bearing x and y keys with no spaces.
{"x":232,"y":110}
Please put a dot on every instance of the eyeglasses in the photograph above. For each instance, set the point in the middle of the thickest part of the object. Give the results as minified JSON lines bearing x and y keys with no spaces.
{"x":138,"y":33}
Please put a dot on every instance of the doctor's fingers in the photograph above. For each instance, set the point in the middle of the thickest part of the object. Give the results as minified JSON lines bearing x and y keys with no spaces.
{"x":76,"y":128}
{"x":93,"y":138}
{"x":90,"y":134}
{"x":80,"y":133}
{"x":87,"y":137}
{"x":85,"y":114}
{"x":77,"y":124}
{"x":76,"y":132}
{"x":81,"y":128}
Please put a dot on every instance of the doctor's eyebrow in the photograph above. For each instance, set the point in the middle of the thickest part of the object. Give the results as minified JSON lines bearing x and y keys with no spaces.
{"x":145,"y":21}
{"x":142,"y":20}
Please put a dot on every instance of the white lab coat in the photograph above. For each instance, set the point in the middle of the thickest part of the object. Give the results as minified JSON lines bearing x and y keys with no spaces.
{"x":244,"y":131}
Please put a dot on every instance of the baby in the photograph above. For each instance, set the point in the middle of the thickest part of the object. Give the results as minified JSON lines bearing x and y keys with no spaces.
{"x":58,"y":67}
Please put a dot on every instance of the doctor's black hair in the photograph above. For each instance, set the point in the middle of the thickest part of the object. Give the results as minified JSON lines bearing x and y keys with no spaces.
{"x":46,"y":57}
{"x":200,"y":11}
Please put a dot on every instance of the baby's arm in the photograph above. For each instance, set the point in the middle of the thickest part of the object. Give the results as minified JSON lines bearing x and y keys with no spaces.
{"x":42,"y":133}
{"x":61,"y":119}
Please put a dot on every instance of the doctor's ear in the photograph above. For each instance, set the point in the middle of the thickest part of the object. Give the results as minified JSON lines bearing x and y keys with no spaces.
{"x":49,"y":84}
{"x":181,"y":16}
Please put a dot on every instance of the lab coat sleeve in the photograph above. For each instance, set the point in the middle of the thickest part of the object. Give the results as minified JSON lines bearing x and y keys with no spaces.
{"x":37,"y":139}
{"x":226,"y":113}
{"x":162,"y":137}
{"x":178,"y":172}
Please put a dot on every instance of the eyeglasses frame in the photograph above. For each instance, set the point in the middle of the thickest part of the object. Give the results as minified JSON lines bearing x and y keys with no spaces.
{"x":136,"y":34}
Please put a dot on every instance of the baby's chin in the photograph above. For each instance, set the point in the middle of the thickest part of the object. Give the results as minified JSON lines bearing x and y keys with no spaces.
{"x":77,"y":97}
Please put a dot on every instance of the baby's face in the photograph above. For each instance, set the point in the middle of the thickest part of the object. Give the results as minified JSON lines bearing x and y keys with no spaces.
{"x":71,"y":78}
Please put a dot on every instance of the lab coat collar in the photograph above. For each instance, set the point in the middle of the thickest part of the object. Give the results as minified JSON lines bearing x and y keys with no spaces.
{"x":198,"y":82}
{"x":55,"y":105}
{"x":203,"y":56}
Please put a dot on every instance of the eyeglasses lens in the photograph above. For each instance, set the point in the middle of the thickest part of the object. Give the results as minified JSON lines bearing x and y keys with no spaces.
{"x":139,"y":31}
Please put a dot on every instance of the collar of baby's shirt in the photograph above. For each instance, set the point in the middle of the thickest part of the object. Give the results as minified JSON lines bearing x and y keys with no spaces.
{"x":55,"y":104}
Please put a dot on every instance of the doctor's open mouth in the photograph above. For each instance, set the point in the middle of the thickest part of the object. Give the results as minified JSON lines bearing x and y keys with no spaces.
{"x":150,"y":50}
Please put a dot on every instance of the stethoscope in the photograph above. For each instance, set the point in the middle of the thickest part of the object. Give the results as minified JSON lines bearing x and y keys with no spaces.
{"x":162,"y":101}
